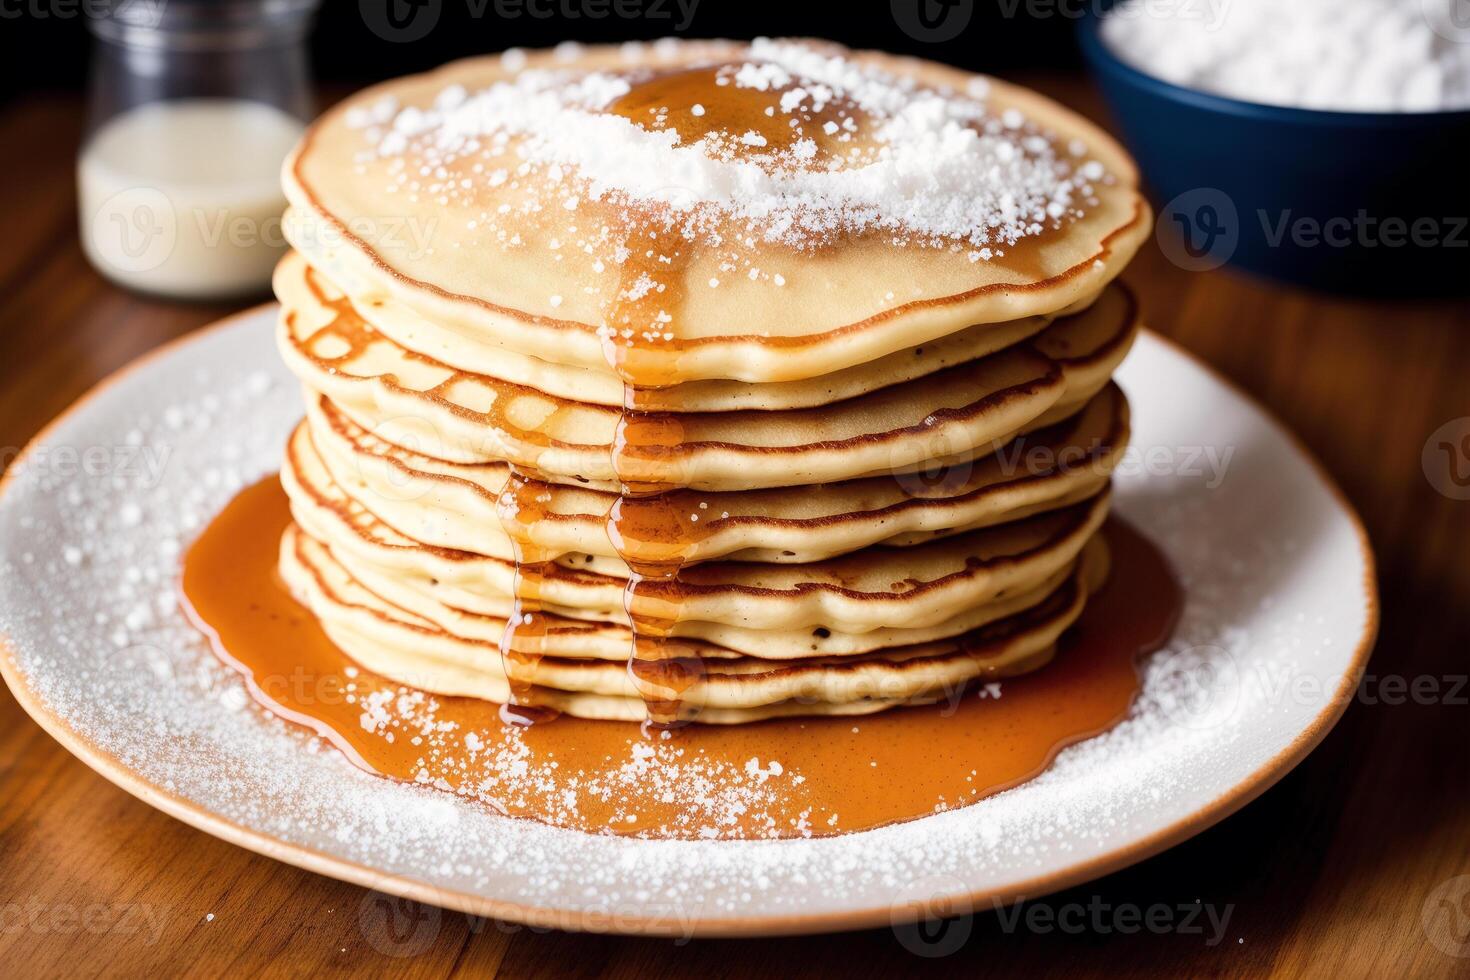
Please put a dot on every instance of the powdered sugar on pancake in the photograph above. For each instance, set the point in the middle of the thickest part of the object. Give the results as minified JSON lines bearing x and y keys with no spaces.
{"x":871,"y":151}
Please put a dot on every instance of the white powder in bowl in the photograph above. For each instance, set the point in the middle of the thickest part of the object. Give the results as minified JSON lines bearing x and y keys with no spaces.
{"x":1344,"y":55}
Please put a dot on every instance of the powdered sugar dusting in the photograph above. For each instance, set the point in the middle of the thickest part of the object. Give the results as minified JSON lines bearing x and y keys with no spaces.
{"x":851,"y":149}
{"x":709,"y":798}
{"x":1275,"y":596}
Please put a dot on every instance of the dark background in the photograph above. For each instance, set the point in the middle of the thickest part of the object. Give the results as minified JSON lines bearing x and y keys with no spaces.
{"x":44,"y":44}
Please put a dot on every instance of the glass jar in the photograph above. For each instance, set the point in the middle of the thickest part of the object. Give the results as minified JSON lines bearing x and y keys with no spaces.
{"x":194,"y":105}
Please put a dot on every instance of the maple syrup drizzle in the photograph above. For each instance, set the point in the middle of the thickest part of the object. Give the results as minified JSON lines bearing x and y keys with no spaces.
{"x":662,"y":667}
{"x":856,"y":773}
{"x":645,"y":524}
{"x":651,"y":524}
{"x":523,"y":643}
{"x":703,"y":103}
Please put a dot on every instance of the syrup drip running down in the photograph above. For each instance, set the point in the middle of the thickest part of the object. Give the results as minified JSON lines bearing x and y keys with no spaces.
{"x":654,"y":523}
{"x":651,"y":525}
{"x":523,"y":643}
{"x":647,"y":524}
{"x":519,"y":507}
{"x":661,"y":666}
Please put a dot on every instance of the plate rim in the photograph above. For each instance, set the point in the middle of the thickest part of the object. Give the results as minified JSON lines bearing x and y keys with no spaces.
{"x":107,"y":765}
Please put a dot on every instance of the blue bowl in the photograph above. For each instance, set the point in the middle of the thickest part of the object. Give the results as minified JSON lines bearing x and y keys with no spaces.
{"x":1366,"y":203}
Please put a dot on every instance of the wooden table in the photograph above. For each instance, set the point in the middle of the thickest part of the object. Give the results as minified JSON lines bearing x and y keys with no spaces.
{"x":1329,"y":872}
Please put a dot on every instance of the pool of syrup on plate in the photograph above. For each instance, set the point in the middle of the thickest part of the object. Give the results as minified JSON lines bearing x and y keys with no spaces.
{"x":854,"y":773}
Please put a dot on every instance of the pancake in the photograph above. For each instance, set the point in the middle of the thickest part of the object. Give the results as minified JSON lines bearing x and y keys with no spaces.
{"x":424,"y":598}
{"x":459,"y":417}
{"x":474,"y":418}
{"x":474,"y":598}
{"x":536,"y":197}
{"x":301,"y":287}
{"x":872,"y":588}
{"x":398,"y":644}
{"x":456,"y":506}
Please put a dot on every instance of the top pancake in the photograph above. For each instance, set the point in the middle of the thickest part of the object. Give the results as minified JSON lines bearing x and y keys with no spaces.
{"x":856,"y":233}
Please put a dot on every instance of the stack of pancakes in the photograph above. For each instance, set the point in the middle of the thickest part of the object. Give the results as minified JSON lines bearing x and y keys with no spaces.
{"x":706,"y":380}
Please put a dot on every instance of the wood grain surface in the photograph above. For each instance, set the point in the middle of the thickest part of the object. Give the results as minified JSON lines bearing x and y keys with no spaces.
{"x":1350,"y":867}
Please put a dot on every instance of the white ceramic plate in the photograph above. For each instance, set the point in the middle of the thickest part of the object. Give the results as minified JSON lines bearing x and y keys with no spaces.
{"x":1280,"y":616}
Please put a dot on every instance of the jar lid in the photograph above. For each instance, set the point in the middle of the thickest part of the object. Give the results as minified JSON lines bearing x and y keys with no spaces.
{"x":202,"y":24}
